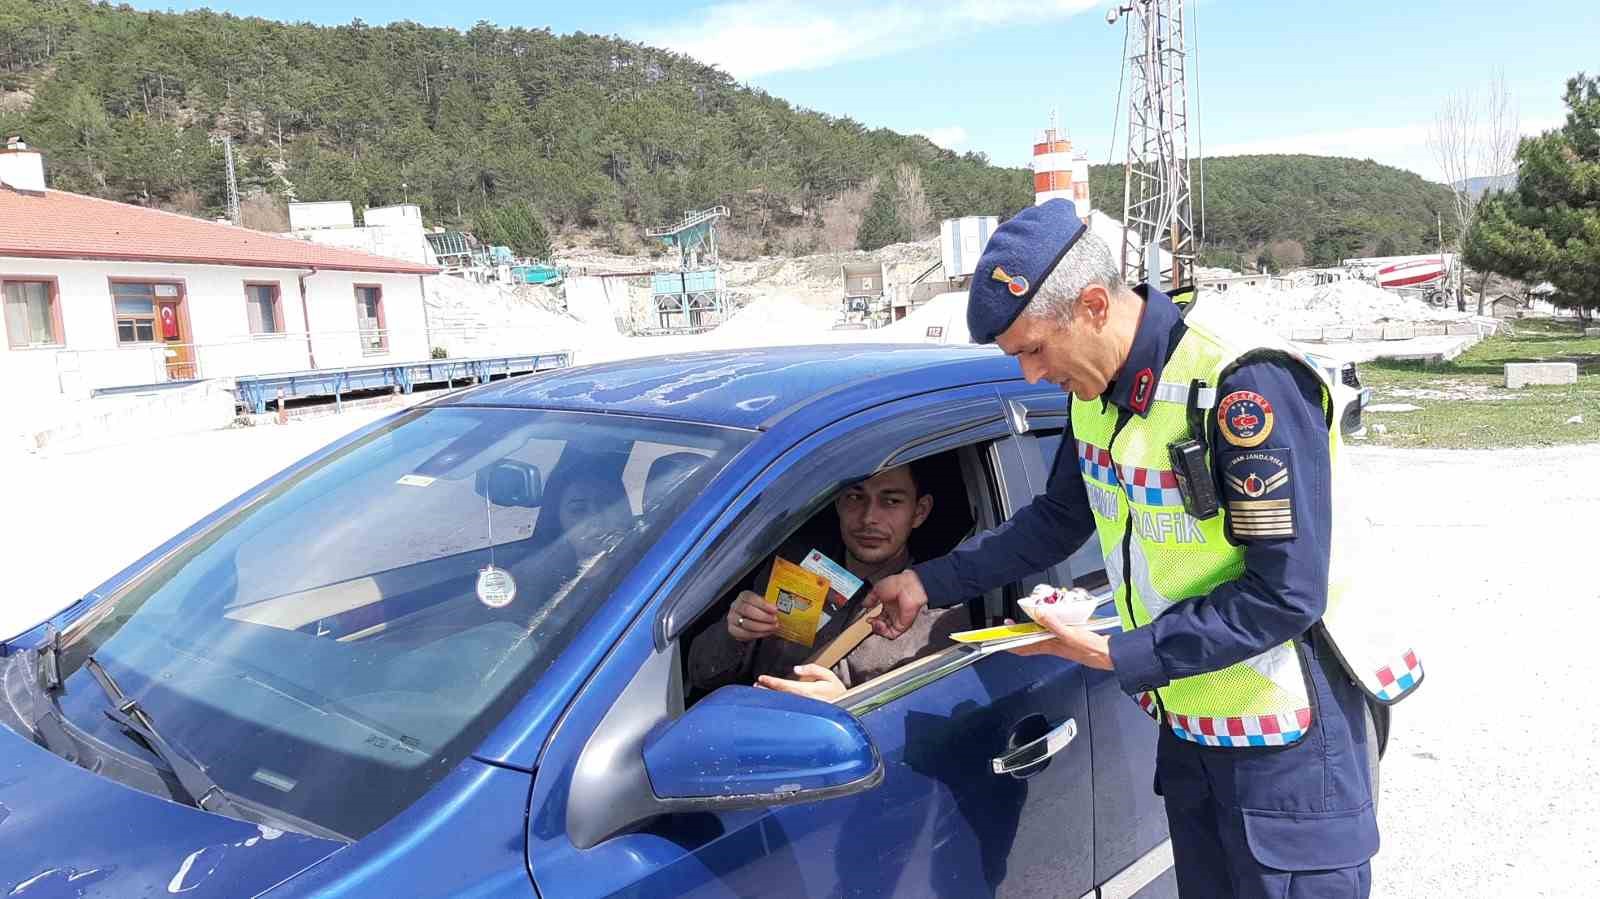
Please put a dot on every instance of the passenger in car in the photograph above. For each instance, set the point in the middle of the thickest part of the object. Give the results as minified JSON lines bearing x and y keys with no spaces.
{"x":876,"y":519}
{"x":585,"y":507}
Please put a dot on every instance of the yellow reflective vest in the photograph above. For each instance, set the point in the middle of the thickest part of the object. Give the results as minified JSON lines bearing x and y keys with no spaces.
{"x":1157,"y":555}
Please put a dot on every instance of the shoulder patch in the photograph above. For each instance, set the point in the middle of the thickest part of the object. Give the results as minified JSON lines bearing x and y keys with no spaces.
{"x":1258,"y":493}
{"x":1245,"y":418}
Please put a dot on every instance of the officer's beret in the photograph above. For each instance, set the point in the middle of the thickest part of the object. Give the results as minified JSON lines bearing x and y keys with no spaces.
{"x":1020,"y":255}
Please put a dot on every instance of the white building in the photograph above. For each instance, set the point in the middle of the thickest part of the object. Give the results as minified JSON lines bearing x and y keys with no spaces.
{"x":395,"y":232}
{"x":102,"y":294}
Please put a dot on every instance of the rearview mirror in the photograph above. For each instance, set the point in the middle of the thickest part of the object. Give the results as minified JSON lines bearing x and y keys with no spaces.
{"x":742,"y":747}
{"x":510,"y":483}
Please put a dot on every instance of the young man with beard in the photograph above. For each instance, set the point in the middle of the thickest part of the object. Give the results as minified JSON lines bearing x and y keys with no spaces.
{"x":876,"y":519}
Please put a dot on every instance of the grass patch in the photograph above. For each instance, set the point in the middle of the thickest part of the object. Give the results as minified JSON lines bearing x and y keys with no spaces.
{"x":1464,"y":404}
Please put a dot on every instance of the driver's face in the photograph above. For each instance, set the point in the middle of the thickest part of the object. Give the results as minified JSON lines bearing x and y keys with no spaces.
{"x":877,"y":516}
{"x":586,"y":516}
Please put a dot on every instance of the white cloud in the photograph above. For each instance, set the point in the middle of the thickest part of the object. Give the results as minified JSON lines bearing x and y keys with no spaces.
{"x":758,"y":37}
{"x":950,"y":137}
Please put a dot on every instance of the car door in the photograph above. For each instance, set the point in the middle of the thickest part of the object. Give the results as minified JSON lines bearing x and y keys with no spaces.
{"x":1131,"y":848}
{"x":942,"y":822}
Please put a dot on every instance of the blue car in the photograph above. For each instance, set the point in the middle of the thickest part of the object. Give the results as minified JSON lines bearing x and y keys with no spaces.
{"x":445,"y":656}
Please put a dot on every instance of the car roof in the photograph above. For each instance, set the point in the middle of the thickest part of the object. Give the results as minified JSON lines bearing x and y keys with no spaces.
{"x":747,"y":388}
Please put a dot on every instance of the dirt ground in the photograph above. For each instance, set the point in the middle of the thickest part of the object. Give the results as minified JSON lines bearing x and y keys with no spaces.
{"x":1488,"y":784}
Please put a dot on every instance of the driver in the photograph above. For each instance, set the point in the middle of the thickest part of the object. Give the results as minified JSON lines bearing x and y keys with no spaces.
{"x":876,"y":518}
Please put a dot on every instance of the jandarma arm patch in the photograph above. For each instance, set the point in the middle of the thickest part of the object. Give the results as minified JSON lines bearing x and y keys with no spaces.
{"x":1258,"y":492}
{"x":1245,"y":418}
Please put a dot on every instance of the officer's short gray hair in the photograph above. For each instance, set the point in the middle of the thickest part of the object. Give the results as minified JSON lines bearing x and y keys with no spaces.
{"x":1090,"y":261}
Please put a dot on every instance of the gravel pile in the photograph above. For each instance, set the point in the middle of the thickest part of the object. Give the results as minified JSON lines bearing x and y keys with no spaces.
{"x":1341,"y":303}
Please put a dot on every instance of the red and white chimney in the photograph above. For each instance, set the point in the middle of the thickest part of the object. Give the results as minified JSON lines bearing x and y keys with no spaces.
{"x":1058,"y":172}
{"x":21,"y":169}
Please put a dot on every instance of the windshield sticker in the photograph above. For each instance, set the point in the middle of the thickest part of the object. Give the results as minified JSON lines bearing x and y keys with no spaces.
{"x":496,"y":588}
{"x":415,"y":480}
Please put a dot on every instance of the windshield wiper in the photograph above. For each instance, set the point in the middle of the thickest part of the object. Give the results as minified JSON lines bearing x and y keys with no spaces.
{"x":41,"y":679}
{"x":203,"y":791}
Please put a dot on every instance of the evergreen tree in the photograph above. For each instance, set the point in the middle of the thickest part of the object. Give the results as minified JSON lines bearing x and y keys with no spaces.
{"x":880,"y":225}
{"x":1548,"y":228}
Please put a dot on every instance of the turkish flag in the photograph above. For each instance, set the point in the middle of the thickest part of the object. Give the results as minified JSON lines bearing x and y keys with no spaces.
{"x":169,"y":323}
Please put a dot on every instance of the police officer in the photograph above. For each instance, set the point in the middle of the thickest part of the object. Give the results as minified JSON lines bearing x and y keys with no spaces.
{"x":1201,"y":453}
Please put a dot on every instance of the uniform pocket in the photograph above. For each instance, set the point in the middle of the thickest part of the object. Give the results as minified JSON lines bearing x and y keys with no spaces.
{"x":1311,"y":841}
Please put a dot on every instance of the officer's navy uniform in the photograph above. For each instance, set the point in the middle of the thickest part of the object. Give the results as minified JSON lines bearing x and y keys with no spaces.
{"x":1311,"y":826}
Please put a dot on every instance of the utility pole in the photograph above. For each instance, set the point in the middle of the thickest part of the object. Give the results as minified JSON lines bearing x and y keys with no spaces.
{"x":233,"y":182}
{"x":1157,"y":211}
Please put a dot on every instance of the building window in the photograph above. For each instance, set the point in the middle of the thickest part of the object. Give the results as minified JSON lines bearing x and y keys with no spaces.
{"x":369,"y":318}
{"x":32,"y":315}
{"x":136,"y":309}
{"x":263,"y":308}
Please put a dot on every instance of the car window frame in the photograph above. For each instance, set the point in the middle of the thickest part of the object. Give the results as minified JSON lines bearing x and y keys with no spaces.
{"x":1008,"y":462}
{"x":802,"y":479}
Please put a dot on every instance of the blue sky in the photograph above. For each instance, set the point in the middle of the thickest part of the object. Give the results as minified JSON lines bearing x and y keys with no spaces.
{"x":1356,"y":78}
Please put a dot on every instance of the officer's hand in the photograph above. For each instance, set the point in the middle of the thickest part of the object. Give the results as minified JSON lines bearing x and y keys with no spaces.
{"x":814,"y":681}
{"x":751,"y":618}
{"x":1073,"y":643}
{"x":903,"y":599}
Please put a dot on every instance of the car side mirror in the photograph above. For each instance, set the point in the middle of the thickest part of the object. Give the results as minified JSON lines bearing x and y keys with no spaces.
{"x":743,"y":747}
{"x":510,"y":483}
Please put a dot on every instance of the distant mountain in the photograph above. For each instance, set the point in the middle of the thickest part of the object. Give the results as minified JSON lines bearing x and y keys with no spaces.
{"x":1477,"y":187}
{"x":588,"y":131}
{"x":1288,"y":210}
{"x":581,"y":131}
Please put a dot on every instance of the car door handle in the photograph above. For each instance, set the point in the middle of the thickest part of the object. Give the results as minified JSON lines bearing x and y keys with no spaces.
{"x":1032,"y":753}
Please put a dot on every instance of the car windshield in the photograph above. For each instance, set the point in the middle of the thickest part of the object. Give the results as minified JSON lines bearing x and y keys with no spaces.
{"x":336,"y":647}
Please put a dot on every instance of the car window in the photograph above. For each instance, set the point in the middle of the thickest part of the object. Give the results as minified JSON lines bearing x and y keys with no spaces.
{"x":1085,"y":567}
{"x":333,"y":649}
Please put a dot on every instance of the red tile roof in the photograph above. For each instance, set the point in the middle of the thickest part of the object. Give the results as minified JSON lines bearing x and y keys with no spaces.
{"x":61,"y":225}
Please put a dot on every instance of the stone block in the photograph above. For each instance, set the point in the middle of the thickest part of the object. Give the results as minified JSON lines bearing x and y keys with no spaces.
{"x":1368,"y":332}
{"x":1460,"y":329}
{"x":1338,"y":335}
{"x":1306,"y":335}
{"x":1591,"y":332}
{"x":1522,"y":374}
{"x":1430,"y":329}
{"x":1399,"y":331}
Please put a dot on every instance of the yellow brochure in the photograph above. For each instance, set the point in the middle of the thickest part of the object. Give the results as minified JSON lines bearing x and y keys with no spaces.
{"x":1003,"y":632}
{"x":798,"y":595}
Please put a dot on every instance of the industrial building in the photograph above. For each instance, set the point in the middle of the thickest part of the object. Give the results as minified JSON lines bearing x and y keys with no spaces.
{"x":99,"y":294}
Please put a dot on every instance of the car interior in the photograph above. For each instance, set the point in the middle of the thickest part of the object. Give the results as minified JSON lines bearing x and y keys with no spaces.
{"x":964,"y":503}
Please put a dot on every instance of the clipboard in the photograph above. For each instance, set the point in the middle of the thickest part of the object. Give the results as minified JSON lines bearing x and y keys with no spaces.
{"x":860,"y":626}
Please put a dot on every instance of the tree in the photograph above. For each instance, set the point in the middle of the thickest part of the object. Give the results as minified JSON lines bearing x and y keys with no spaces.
{"x":1474,"y":136}
{"x":513,"y":225}
{"x":880,"y":225}
{"x":1548,"y":228}
{"x":911,"y":202}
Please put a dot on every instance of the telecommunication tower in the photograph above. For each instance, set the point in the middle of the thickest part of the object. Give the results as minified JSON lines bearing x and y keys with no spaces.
{"x":1156,"y":201}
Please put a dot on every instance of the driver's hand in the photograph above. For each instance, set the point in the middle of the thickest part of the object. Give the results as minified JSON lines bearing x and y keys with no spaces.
{"x":814,"y":681}
{"x":903,"y":599}
{"x":751,"y":618}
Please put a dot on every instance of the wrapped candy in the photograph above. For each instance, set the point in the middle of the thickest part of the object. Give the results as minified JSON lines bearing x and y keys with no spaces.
{"x":1063,"y":605}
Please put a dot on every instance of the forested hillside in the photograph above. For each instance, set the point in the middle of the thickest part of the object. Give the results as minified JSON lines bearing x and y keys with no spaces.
{"x":570,"y":131}
{"x":1292,"y":210}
